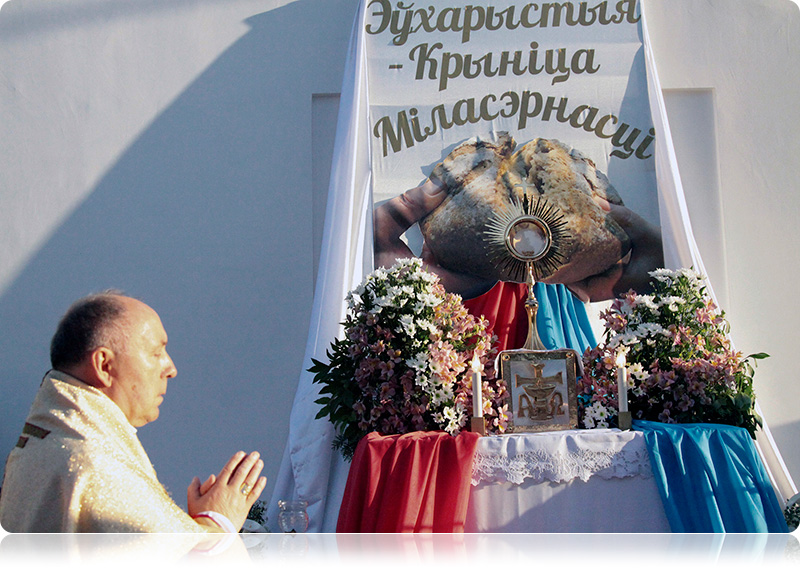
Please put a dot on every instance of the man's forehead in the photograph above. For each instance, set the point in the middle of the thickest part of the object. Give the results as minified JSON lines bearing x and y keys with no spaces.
{"x":144,"y":321}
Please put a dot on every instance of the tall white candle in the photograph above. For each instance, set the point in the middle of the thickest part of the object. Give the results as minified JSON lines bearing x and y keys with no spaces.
{"x":477,"y":389}
{"x":622,"y":383}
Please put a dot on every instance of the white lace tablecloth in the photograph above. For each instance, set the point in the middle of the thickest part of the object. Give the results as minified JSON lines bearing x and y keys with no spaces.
{"x":564,"y":481}
{"x":560,"y":456}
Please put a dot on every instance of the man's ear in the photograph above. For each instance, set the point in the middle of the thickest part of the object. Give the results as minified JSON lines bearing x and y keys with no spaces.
{"x":102,"y":363}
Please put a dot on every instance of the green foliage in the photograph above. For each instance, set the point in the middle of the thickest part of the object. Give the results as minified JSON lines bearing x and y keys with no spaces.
{"x":792,"y":515}
{"x":258,"y":513}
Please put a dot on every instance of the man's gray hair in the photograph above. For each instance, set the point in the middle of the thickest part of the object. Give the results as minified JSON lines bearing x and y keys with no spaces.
{"x":90,"y":323}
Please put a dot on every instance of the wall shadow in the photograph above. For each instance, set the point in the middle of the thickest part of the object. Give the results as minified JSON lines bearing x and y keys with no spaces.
{"x":206,"y":217}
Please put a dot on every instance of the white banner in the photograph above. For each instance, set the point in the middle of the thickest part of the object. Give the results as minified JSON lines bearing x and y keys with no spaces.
{"x":442,"y":73}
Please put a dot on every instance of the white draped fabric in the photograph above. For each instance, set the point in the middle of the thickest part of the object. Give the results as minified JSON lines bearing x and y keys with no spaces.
{"x":560,"y":482}
{"x":310,"y":469}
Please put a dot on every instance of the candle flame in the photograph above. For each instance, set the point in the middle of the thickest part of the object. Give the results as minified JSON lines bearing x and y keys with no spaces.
{"x":621,"y":360}
{"x":476,"y":363}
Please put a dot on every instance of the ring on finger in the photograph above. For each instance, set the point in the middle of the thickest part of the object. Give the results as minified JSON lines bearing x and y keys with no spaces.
{"x":245,"y":489}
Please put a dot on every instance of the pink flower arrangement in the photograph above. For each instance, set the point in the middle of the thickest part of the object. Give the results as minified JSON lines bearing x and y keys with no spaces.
{"x":681,"y":367}
{"x":404,"y":361}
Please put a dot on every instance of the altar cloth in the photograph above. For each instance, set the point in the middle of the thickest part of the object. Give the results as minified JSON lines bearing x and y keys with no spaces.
{"x":658,"y":478}
{"x":560,"y":456}
{"x":569,"y":481}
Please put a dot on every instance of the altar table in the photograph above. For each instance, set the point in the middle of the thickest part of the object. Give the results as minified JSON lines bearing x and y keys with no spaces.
{"x":658,"y":478}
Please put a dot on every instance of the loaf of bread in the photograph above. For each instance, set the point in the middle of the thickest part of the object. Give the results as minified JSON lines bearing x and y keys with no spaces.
{"x":484,"y":178}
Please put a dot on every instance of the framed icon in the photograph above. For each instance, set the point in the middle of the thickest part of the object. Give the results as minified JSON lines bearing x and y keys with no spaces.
{"x":542,"y":384}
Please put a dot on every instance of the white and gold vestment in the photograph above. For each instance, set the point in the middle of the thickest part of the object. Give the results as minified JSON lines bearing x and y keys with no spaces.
{"x":79,"y":467}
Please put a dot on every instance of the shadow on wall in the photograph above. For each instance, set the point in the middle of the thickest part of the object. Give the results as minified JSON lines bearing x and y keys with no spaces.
{"x":207,"y":218}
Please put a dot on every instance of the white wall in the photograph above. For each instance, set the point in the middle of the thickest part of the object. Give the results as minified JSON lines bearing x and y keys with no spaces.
{"x":173,"y":148}
{"x":165,"y":148}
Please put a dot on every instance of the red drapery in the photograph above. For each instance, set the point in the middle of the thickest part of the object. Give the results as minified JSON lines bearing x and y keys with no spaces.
{"x":415,"y":482}
{"x":504,"y":308}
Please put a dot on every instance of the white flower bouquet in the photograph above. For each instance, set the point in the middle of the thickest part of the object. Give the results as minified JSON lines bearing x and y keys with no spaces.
{"x":403,"y":363}
{"x":680,"y":365}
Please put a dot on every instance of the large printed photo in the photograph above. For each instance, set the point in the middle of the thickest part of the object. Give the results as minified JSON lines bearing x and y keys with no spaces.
{"x":479,"y":114}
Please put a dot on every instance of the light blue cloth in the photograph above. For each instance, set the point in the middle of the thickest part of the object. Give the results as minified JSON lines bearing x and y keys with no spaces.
{"x":561,"y":319}
{"x":710,"y":476}
{"x":711,"y":479}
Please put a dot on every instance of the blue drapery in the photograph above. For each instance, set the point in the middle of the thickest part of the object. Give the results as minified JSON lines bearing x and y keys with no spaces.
{"x":711,"y":478}
{"x":561,"y":319}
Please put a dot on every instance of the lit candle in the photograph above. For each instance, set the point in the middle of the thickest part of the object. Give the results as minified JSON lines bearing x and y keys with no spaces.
{"x":622,"y":382}
{"x":477,"y":389}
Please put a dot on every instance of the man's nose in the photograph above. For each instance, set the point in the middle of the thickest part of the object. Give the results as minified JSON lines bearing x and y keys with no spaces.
{"x":171,"y":370}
